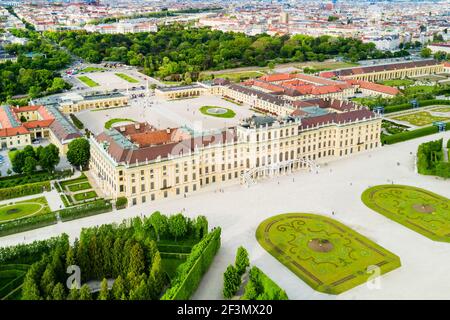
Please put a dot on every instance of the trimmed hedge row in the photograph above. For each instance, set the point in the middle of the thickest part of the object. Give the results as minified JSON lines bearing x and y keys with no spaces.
{"x":85,"y":210}
{"x":190,"y":273}
{"x":40,"y":176}
{"x":24,"y":190}
{"x":408,"y":135}
{"x":422,"y":103}
{"x":76,"y":121}
{"x":173,"y":248}
{"x":26,"y":224}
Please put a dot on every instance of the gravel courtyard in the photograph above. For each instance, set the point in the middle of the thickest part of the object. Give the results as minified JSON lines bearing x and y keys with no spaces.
{"x":337,"y":187}
{"x":163,"y":114}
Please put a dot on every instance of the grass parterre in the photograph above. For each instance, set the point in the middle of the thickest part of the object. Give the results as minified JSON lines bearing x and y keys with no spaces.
{"x":329,"y":256}
{"x":417,"y":209}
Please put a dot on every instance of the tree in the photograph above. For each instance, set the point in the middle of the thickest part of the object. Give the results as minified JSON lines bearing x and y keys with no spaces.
{"x":242,"y":260}
{"x":231,"y":282}
{"x":29,"y":152}
{"x":49,"y":157}
{"x":85,"y":293}
{"x":118,"y":288}
{"x":177,"y":225}
{"x":157,"y":274}
{"x":29,"y":165}
{"x":18,"y":161}
{"x":425,"y":53}
{"x":159,"y":224}
{"x":141,"y":292}
{"x":74,"y":294}
{"x":48,"y":281}
{"x":78,"y":153}
{"x":58,"y":292}
{"x":137,"y":259}
{"x":104,"y":291}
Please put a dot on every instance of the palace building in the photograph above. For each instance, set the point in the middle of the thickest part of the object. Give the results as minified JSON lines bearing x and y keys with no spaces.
{"x":143,"y":164}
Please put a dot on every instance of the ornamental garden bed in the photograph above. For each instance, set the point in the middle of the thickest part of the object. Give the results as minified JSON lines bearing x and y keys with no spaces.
{"x":329,"y":256}
{"x":417,"y":209}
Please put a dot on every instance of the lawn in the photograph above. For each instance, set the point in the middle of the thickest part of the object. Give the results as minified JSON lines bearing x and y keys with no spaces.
{"x":79,"y":186}
{"x":329,"y":256}
{"x":420,"y":118}
{"x":66,"y":183}
{"x":417,"y":209}
{"x":85,"y":195}
{"x":11,"y":279}
{"x":397,"y":82}
{"x":93,"y":69}
{"x":418,"y":89}
{"x":239,"y":76}
{"x":441,"y":109}
{"x":170,"y":265}
{"x":127,"y":77}
{"x":109,"y":123}
{"x":22,"y":209}
{"x":88,"y":81}
{"x":219,"y":112}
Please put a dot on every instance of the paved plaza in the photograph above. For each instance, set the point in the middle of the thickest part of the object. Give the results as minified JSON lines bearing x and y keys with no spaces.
{"x":164,"y":114}
{"x":337,"y":187}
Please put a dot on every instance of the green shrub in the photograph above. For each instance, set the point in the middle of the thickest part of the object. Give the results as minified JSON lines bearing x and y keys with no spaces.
{"x":422,"y":103}
{"x":121,"y":203}
{"x":242,"y":261}
{"x":76,"y":121}
{"x":24,"y":190}
{"x":408,"y":135}
{"x":25,"y":224}
{"x":261,"y":287}
{"x":231,"y":282}
{"x":40,"y":176}
{"x":29,"y":253}
{"x":190,"y":273}
{"x":84,"y":210}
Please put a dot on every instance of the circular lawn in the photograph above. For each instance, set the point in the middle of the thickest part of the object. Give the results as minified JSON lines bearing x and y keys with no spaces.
{"x":219,"y":112}
{"x":19,"y":210}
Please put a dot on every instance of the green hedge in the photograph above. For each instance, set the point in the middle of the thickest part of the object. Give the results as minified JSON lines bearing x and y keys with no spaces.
{"x":190,"y":273}
{"x":173,"y":248}
{"x":24,"y":190}
{"x":408,"y":135}
{"x":76,"y":121}
{"x":85,"y":210}
{"x":261,"y":287}
{"x":26,"y":224}
{"x":40,"y":176}
{"x":422,"y":103}
{"x":121,"y":203}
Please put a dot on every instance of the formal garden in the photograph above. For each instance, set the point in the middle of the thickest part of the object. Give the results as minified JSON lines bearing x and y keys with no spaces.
{"x":420,"y":118}
{"x":329,"y":256}
{"x":417,"y":209}
{"x":157,"y":257}
{"x":75,"y":191}
{"x":219,"y":112}
{"x":21,"y":209}
{"x":431,"y":159}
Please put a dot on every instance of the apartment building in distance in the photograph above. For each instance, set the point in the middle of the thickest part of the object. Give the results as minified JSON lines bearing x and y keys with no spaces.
{"x":75,"y":102}
{"x":387,"y":71}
